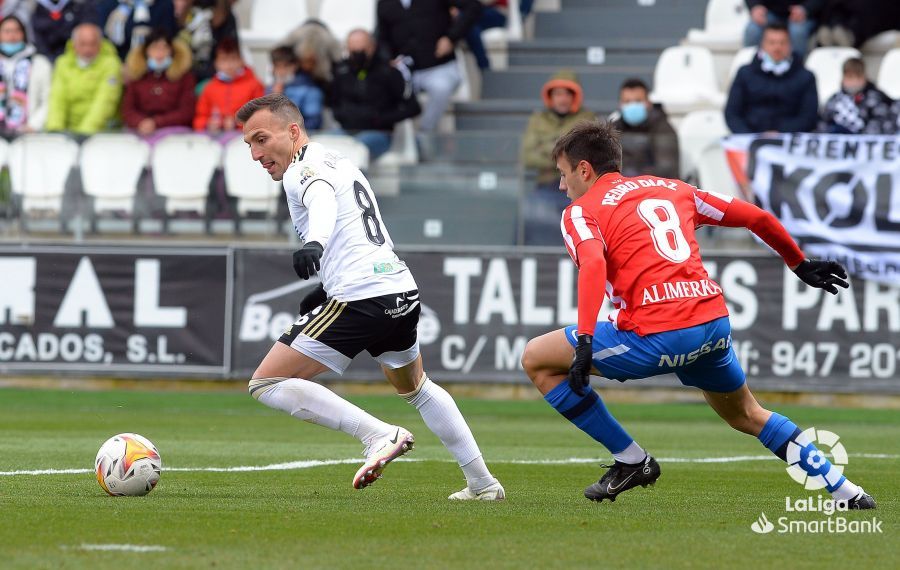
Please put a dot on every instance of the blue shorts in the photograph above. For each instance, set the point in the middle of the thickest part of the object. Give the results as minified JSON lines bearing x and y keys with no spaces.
{"x":699,"y":356}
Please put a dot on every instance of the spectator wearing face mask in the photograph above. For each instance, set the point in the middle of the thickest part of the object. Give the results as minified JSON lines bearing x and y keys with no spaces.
{"x":369,"y":96}
{"x":24,"y":81}
{"x":87,"y":84}
{"x":297,"y":86}
{"x":774,"y":93}
{"x":161,"y":99}
{"x":233,"y":85}
{"x":203,"y":24}
{"x":859,"y":107}
{"x":649,"y":143}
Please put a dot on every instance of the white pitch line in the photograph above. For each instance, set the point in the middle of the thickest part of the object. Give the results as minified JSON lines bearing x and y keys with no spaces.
{"x":121,"y":547}
{"x":309,"y":463}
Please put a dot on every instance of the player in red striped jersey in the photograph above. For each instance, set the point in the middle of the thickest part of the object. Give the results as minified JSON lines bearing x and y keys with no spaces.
{"x":634,"y":240}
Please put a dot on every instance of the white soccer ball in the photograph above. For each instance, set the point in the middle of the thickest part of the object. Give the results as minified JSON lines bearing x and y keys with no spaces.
{"x":128,"y":464}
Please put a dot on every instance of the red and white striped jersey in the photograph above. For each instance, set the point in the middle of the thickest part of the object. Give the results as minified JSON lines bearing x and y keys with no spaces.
{"x":655,"y":276}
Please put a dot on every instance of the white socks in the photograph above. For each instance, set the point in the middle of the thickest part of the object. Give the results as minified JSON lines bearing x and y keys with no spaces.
{"x":848,"y":490}
{"x":442,"y":417}
{"x":314,"y":403}
{"x":632,"y":454}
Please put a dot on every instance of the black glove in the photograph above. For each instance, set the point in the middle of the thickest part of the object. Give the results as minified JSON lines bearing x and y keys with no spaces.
{"x":313,"y":299}
{"x":822,"y":274}
{"x":580,"y":371}
{"x":306,"y":259}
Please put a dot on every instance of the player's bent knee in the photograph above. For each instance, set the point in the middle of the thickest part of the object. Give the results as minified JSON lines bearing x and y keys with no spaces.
{"x":260,"y":386}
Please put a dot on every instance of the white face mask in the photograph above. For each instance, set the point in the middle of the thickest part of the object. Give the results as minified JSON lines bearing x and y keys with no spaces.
{"x":83,"y":63}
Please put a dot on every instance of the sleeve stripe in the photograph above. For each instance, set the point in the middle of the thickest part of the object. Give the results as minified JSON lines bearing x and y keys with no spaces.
{"x":706,"y":209}
{"x":580,"y":226}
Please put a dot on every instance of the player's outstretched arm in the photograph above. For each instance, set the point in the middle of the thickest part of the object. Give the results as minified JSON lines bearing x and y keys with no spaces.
{"x":815,"y":273}
{"x":591,"y":277}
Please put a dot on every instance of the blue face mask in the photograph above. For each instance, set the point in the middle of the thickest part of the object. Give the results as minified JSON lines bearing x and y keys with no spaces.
{"x":222,"y":76}
{"x":634,"y":113}
{"x":11,"y":48}
{"x":159,"y":65}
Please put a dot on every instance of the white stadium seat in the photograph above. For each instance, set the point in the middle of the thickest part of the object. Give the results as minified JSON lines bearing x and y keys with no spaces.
{"x":744,"y":56}
{"x":724,"y":25}
{"x":403,"y":146}
{"x":889,"y":74}
{"x":247,"y":180}
{"x":697,"y":131}
{"x":357,"y":152}
{"x":685,"y":80}
{"x":344,"y":16}
{"x":111,"y":167}
{"x":183,"y":166}
{"x":825,"y":63}
{"x":4,"y":152}
{"x":39,"y":165}
{"x":271,"y":20}
{"x":714,"y":174}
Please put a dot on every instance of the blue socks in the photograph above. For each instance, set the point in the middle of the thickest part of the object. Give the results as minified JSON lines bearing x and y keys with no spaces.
{"x":779,"y":431}
{"x":590,"y":416}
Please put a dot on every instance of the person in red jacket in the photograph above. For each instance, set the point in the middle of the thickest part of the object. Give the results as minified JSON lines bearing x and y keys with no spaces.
{"x":633,"y":239}
{"x":233,"y":85}
{"x":159,"y":98}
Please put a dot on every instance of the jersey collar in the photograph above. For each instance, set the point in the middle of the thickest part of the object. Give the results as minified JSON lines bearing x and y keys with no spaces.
{"x":299,"y":156}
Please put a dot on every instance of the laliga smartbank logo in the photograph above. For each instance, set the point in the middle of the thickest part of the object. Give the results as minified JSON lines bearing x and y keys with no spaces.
{"x":808,"y":466}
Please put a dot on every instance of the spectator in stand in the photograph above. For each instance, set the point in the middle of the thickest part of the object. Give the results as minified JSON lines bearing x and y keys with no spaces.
{"x":127,"y":23}
{"x":774,"y":92}
{"x":421,"y":37}
{"x":649,"y":143}
{"x":854,"y":22}
{"x":493,"y":15}
{"x":21,"y":9}
{"x":799,"y":17}
{"x":53,"y":21}
{"x":24,"y":81}
{"x":87,"y":84}
{"x":297,"y":86}
{"x":369,"y":96}
{"x":562,"y":96}
{"x":233,"y":85}
{"x":317,"y":50}
{"x":859,"y":107}
{"x":203,"y":24}
{"x":161,"y":100}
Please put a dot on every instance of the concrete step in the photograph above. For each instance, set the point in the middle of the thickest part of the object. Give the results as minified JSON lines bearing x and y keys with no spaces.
{"x":511,"y":115}
{"x":670,"y":23}
{"x":598,"y":82}
{"x":637,"y":5}
{"x":582,"y":52}
{"x":435,"y":218}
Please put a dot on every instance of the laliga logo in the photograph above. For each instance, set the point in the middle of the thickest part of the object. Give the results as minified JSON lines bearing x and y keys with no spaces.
{"x":803,"y":452}
{"x":762,"y":525}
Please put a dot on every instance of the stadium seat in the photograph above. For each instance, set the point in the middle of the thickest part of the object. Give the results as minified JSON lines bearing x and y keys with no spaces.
{"x":247,"y":181}
{"x":685,"y":80}
{"x":113,"y":183}
{"x":403,"y":146}
{"x":39,"y":165}
{"x":724,"y":25}
{"x":344,"y":16}
{"x":714,"y":174}
{"x":697,"y":131}
{"x":183,"y":166}
{"x":271,"y":20}
{"x":825,"y":63}
{"x":4,"y":152}
{"x":889,"y":73}
{"x":357,"y":152}
{"x":744,"y":56}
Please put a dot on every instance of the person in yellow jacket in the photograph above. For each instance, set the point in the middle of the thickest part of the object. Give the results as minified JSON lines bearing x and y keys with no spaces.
{"x":562,"y":96}
{"x":87,"y":84}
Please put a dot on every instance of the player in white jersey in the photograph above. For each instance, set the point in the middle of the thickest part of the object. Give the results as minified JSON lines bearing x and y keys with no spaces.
{"x":367,"y":300}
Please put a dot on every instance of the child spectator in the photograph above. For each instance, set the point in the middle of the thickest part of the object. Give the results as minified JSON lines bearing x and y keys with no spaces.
{"x":858,"y":107}
{"x":233,"y":85}
{"x":297,"y":86}
{"x":161,"y":99}
{"x":24,"y":81}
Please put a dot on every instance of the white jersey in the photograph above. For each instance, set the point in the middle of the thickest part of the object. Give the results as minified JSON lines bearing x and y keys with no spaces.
{"x":359,"y":260}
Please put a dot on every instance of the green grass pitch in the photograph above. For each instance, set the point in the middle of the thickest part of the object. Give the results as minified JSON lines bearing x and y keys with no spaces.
{"x":698,"y":515}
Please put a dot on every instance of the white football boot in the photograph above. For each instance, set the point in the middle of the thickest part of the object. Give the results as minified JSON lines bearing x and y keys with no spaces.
{"x":381,"y":452}
{"x":493,"y":492}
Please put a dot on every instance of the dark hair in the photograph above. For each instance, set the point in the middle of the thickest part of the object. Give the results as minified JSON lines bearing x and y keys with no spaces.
{"x":276,"y":103}
{"x":593,"y":141}
{"x":634,"y":83}
{"x":21,"y":25}
{"x":775,"y":27}
{"x":854,"y":66}
{"x":228,"y":46}
{"x":283,"y":54}
{"x":157,"y":35}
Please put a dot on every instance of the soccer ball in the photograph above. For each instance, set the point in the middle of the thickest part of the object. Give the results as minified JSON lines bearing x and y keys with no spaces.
{"x":128,"y":464}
